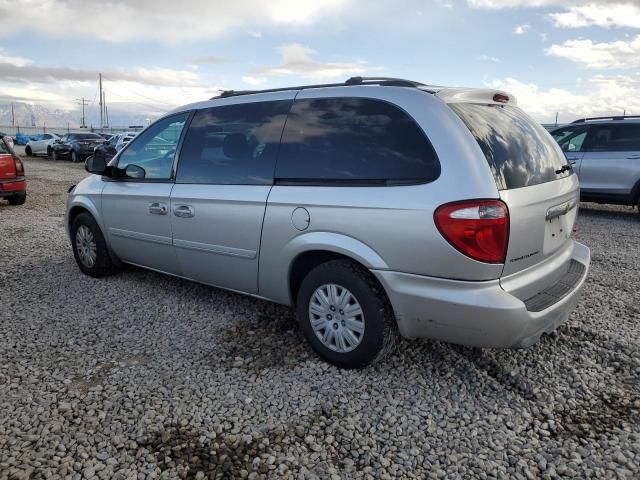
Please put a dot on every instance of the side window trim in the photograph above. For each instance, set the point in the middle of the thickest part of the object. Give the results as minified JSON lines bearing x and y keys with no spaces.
{"x":171,"y":179}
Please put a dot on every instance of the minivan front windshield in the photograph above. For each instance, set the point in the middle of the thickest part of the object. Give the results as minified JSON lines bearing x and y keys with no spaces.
{"x":520,"y":152}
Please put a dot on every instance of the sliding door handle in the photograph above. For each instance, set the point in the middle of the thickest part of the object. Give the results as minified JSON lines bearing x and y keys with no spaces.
{"x":158,"y":208}
{"x":184,"y":211}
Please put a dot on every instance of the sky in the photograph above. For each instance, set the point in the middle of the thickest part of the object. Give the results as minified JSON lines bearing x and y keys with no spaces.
{"x":575,"y":57}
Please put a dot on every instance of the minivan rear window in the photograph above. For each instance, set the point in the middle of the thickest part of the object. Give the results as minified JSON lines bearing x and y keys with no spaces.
{"x":520,"y":152}
{"x":353,"y":141}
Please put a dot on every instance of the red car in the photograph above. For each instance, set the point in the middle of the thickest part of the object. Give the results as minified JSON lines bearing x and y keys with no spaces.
{"x":13,"y":185}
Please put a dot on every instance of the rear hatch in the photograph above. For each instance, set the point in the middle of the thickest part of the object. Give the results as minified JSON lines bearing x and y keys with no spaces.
{"x":530,"y":171}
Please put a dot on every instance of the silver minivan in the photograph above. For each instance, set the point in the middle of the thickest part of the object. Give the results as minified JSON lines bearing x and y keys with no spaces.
{"x":377,"y":207}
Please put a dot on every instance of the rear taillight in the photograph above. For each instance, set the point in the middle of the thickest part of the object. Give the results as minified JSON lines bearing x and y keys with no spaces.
{"x":19,"y":166}
{"x":477,"y":228}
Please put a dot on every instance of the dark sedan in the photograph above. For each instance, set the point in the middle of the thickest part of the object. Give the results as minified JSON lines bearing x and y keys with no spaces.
{"x":75,"y":146}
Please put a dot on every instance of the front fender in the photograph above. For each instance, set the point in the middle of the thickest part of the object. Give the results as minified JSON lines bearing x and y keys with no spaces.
{"x":87,"y":195}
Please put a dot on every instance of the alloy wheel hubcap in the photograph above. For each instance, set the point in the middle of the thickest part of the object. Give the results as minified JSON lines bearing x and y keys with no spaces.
{"x":336,"y":318}
{"x":86,"y":246}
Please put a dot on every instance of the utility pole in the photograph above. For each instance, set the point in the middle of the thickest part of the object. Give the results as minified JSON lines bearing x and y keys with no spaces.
{"x":556,"y":119}
{"x":84,"y":103}
{"x":100,"y":93}
{"x":106,"y":111}
{"x":13,"y":118}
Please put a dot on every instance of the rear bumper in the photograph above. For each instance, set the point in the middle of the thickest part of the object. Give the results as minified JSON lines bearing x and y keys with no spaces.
{"x":482,"y":314}
{"x":10,"y":187}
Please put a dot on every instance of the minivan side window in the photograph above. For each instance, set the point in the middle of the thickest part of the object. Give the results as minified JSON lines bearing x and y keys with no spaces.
{"x":570,"y":139}
{"x":233,"y":144}
{"x":343,"y":141}
{"x":614,"y":138}
{"x":155,"y":148}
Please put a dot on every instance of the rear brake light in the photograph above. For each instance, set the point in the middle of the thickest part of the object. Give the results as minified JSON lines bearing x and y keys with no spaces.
{"x":501,"y":98}
{"x":477,"y":228}
{"x":19,"y":166}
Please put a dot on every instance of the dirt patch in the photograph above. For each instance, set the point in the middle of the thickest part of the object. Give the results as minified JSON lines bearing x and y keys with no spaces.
{"x":609,"y":412}
{"x":194,"y":455}
{"x":271,"y":340}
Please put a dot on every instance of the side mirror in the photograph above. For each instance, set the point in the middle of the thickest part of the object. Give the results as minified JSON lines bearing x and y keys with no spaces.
{"x":134,"y":171}
{"x":96,"y":165}
{"x":571,"y":147}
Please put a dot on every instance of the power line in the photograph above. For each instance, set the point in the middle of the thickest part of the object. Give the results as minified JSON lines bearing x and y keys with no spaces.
{"x":143,"y":96}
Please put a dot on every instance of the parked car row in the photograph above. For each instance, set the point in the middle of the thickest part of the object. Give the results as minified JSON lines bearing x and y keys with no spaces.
{"x":77,"y":146}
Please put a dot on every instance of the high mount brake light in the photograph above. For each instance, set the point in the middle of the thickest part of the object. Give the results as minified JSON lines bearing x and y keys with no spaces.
{"x":501,"y":98}
{"x":477,"y":228}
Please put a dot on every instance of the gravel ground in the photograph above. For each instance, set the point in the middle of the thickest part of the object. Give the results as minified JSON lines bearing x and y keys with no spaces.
{"x":145,"y":376}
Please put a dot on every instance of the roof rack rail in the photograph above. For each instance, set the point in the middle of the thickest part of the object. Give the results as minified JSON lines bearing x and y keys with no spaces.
{"x":611,"y":117}
{"x":353,"y":81}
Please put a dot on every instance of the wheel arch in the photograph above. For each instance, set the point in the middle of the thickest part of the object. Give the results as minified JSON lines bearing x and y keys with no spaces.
{"x":308,"y":251}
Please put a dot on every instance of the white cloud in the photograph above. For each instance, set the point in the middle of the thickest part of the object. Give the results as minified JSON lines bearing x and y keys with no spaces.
{"x":487,"y":58}
{"x":620,"y":54}
{"x":521,"y":29}
{"x":599,"y":95}
{"x":577,"y":13}
{"x":13,"y":60}
{"x":254,"y":81}
{"x":162,"y":20}
{"x":297,"y":60}
{"x":143,"y":89}
{"x":611,"y":15}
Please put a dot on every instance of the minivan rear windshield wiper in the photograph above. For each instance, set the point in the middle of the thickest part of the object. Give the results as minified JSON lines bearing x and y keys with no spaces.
{"x":564,"y":168}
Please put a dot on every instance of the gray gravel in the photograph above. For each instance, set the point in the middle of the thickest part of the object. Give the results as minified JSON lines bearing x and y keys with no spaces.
{"x":144,"y":376}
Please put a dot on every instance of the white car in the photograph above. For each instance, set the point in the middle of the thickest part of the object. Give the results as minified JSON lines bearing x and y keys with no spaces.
{"x":40,"y":146}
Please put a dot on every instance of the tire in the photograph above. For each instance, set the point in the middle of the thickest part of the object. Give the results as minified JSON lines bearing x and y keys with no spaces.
{"x":28,"y":151}
{"x":75,"y":158}
{"x":54,"y":155}
{"x":351,"y":348}
{"x":18,"y":198}
{"x":85,"y":232}
{"x":48,"y":153}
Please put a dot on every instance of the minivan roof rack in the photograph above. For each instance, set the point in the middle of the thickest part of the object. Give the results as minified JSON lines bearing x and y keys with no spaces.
{"x":612,"y":117}
{"x":353,"y":81}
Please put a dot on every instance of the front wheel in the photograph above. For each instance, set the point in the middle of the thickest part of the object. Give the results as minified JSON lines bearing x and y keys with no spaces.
{"x":345,"y":314}
{"x":89,"y":247}
{"x":54,"y":155}
{"x":28,"y":151}
{"x":75,"y":158}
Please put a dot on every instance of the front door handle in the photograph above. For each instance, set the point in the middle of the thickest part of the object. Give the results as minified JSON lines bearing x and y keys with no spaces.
{"x":184,"y":211}
{"x":158,"y":208}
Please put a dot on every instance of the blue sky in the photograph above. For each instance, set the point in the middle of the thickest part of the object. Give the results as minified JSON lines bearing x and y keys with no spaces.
{"x":577,"y":57}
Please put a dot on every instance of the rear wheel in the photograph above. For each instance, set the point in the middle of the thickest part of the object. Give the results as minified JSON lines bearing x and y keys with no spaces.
{"x":345,"y":314}
{"x":28,"y":151}
{"x":89,"y":247}
{"x":18,"y":198}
